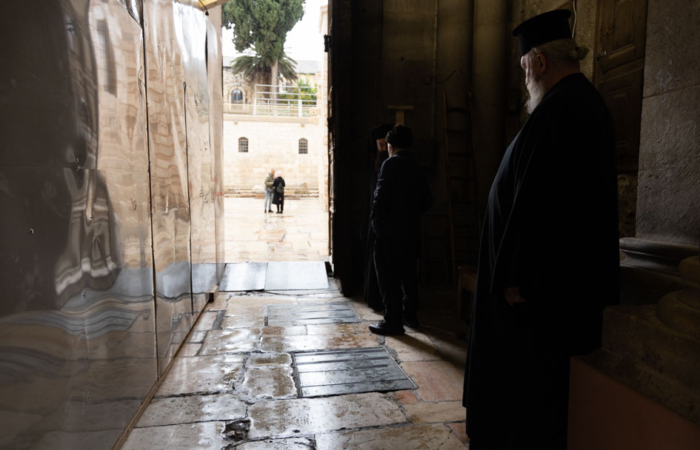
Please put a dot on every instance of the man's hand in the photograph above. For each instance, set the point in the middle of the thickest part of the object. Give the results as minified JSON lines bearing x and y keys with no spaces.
{"x":513,"y":296}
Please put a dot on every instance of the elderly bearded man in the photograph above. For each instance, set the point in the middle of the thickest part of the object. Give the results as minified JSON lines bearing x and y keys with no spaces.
{"x":548,"y":262}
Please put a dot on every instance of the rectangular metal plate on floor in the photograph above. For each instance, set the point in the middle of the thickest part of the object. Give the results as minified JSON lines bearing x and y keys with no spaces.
{"x":244,"y":277}
{"x":310,"y":314}
{"x":348,"y":372}
{"x":302,"y":275}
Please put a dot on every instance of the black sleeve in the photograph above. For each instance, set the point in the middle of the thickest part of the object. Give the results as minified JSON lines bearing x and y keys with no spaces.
{"x":384,"y":193}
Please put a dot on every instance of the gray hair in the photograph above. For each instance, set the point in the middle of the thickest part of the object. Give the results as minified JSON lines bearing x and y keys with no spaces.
{"x":562,"y":52}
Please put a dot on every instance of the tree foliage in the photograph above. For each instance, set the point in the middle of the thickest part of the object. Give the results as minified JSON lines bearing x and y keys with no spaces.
{"x":262,"y":25}
{"x":303,"y":90}
{"x":252,"y":66}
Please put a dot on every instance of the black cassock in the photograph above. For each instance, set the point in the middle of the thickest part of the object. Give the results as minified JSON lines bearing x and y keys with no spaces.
{"x":551,"y":230}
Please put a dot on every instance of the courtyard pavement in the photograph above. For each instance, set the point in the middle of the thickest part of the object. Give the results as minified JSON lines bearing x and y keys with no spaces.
{"x":299,"y":234}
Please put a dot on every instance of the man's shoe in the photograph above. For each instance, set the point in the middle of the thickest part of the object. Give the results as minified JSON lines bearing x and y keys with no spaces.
{"x":386,"y":330}
{"x":269,"y":210}
{"x":411,"y":322}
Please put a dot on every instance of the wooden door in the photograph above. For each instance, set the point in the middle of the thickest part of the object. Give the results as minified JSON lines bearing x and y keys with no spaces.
{"x":619,"y":71}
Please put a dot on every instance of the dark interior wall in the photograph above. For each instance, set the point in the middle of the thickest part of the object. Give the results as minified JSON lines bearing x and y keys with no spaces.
{"x":386,"y":54}
{"x":107,"y":156}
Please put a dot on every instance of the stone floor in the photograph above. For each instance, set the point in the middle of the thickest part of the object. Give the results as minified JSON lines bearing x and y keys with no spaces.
{"x":299,"y":234}
{"x":231,"y":386}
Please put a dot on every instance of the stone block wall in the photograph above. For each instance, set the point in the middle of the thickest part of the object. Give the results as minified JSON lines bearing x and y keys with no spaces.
{"x":273,"y":143}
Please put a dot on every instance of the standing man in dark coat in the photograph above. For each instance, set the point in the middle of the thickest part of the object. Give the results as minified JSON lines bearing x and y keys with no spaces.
{"x":377,"y":155}
{"x":548,"y":262}
{"x":400,"y":198}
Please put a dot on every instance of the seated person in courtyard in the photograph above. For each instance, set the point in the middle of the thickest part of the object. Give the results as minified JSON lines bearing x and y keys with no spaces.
{"x":549,"y":261}
{"x":400,"y":198}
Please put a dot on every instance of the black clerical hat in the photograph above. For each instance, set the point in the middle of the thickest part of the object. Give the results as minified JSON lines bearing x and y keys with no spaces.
{"x":379,"y":132}
{"x":541,"y":29}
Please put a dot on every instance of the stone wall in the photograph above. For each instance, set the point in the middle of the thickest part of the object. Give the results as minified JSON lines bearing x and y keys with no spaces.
{"x":669,"y":154}
{"x":273,"y":143}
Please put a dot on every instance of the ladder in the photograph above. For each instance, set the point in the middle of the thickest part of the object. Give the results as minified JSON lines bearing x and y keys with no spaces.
{"x":464,"y":217}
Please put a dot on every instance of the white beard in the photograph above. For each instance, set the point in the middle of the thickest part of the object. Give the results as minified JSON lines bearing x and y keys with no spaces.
{"x":536,"y":91}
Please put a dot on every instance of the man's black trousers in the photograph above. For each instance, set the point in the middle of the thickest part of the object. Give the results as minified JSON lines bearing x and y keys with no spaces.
{"x":395,"y":262}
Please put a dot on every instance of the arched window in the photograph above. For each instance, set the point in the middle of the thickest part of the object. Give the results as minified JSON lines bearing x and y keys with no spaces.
{"x":236,"y":96}
{"x":303,"y":146}
{"x":243,"y":145}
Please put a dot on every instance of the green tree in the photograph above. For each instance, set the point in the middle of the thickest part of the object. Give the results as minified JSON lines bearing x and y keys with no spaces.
{"x":262,"y":25}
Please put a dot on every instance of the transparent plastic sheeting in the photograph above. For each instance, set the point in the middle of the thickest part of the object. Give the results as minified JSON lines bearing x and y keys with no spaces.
{"x":111,"y":229}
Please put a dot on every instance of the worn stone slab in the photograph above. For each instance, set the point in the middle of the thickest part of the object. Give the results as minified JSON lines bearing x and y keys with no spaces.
{"x":190,"y":409}
{"x":413,"y":437}
{"x":191,"y":436}
{"x":340,"y":328}
{"x":201,"y":374}
{"x":242,"y":321}
{"x":405,"y":397}
{"x":230,"y":341}
{"x":75,"y":440}
{"x":319,"y":342}
{"x":189,"y":349}
{"x":425,"y":412}
{"x":279,"y":444}
{"x":460,"y":430}
{"x":412,"y":347}
{"x":274,"y":382}
{"x":244,"y":277}
{"x":282,"y":276}
{"x":310,"y":314}
{"x":270,"y":359}
{"x":299,"y":330}
{"x":206,"y":320}
{"x":318,"y":415}
{"x":197,"y":337}
{"x":437,"y":381}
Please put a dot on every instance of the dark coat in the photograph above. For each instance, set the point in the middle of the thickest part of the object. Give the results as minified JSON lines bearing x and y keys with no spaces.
{"x":401,"y":196}
{"x":278,"y":197}
{"x":550,"y":229}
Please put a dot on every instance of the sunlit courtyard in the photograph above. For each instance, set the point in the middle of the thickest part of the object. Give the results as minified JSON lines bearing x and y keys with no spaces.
{"x":299,"y":234}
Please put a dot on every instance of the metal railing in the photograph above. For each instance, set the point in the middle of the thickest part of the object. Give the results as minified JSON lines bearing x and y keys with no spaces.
{"x":277,"y":101}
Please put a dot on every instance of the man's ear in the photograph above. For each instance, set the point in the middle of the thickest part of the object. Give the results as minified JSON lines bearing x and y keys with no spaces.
{"x":541,"y":62}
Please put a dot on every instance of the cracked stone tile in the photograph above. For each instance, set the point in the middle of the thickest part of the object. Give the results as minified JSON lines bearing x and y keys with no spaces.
{"x":230,"y":341}
{"x":425,"y":412}
{"x":437,"y":381}
{"x":412,"y":347}
{"x":189,"y":349}
{"x":191,"y":436}
{"x":460,"y":430}
{"x":299,"y":330}
{"x":189,"y":409}
{"x":269,"y":382}
{"x":201,"y":374}
{"x":242,"y":321}
{"x":318,"y":342}
{"x":413,"y":437}
{"x":317,"y":415}
{"x":341,"y":328}
{"x":279,"y":444}
{"x":270,"y":359}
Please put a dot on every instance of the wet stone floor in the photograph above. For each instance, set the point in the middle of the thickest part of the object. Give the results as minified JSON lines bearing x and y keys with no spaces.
{"x":231,"y":386}
{"x":299,"y":234}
